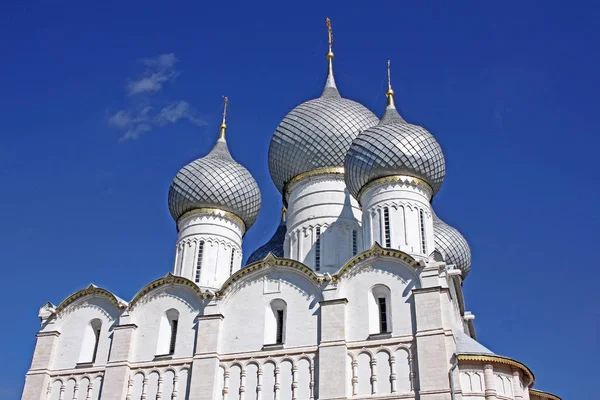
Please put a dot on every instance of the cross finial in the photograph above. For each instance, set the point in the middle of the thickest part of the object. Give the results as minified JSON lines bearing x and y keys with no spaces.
{"x":330,"y":34}
{"x":223,"y":124}
{"x":390,"y":92}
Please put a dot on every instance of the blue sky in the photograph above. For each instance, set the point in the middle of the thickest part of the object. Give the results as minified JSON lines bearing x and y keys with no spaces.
{"x":103,"y":102}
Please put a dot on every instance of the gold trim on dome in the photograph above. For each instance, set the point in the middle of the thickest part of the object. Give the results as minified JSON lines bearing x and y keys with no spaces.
{"x":89,"y":291}
{"x":377,"y":251}
{"x":314,"y":172}
{"x":212,"y":211}
{"x":543,"y":395}
{"x":393,"y":179}
{"x":270,"y":260}
{"x":500,"y":360}
{"x":169,"y":279}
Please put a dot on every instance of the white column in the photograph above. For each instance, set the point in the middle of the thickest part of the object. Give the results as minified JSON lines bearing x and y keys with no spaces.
{"x":259,"y":381}
{"x":295,"y":382}
{"x":277,"y":384}
{"x":144,"y":388}
{"x":175,"y":386}
{"x":354,"y":377}
{"x":373,"y":376}
{"x":160,"y":387}
{"x":243,"y":384}
{"x":490,"y":385}
{"x":76,"y":391}
{"x":393,"y":373}
{"x":226,"y":385}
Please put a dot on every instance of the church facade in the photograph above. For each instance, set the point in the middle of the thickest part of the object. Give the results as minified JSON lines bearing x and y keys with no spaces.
{"x":358,"y":294}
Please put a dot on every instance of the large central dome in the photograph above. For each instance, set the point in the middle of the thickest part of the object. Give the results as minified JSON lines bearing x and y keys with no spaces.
{"x":317,"y":133}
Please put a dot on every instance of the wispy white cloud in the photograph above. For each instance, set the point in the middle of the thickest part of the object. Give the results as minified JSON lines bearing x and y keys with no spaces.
{"x":159,"y":70}
{"x":144,"y":114}
{"x":135,"y":122}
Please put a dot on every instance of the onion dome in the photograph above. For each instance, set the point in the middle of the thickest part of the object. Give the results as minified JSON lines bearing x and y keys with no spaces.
{"x":216,"y":181}
{"x":452,"y":245}
{"x":317,"y":134}
{"x":273,"y":246}
{"x":394,"y":147}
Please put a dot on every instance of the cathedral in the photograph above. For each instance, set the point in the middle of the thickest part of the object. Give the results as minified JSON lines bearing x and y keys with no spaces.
{"x":358,"y":294}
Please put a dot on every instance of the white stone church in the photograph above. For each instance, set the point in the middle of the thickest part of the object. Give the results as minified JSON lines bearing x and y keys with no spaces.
{"x":358,"y":295}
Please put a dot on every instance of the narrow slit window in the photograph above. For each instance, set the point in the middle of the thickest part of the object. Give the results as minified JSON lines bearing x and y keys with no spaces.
{"x":279,"y":338}
{"x":318,"y":250}
{"x":96,"y":343}
{"x":383,"y":326}
{"x":173,"y":336}
{"x":231,"y":262}
{"x":423,"y":249}
{"x":199,"y":261}
{"x":354,"y":243}
{"x":386,"y":224}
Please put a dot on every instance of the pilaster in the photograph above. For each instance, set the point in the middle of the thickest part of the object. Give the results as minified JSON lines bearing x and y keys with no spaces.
{"x":205,"y":365}
{"x":488,"y":379}
{"x":333,"y":350}
{"x":432,"y":355}
{"x":116,"y":375}
{"x":38,"y":377}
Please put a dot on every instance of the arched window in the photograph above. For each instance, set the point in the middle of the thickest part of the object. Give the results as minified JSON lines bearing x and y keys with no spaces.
{"x":386,"y":227}
{"x":422,"y":221}
{"x":318,"y":249}
{"x":380,"y":320}
{"x":354,"y":242}
{"x":275,"y":318}
{"x":167,"y":334}
{"x":231,"y":261}
{"x":199,"y":261}
{"x":90,"y":342}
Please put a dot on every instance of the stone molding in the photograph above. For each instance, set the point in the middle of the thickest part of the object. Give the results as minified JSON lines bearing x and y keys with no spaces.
{"x":91,"y":290}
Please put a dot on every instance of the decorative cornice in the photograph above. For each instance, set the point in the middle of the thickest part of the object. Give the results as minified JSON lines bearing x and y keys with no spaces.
{"x":210,"y":316}
{"x":314,"y":172}
{"x":333,"y":301}
{"x":169,"y":279}
{"x":48,"y":333}
{"x":500,"y":360}
{"x":213,"y":211}
{"x":395,"y":179}
{"x":543,"y":395}
{"x":125,"y":326}
{"x":270,"y":260}
{"x":91,"y":290}
{"x":376,"y":251}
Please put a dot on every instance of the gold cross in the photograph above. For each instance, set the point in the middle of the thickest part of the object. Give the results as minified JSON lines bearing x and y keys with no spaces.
{"x":329,"y":32}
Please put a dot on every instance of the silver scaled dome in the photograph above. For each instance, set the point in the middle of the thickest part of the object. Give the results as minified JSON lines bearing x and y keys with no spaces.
{"x":452,"y":245}
{"x":274,"y":245}
{"x":215,"y":181}
{"x":316,"y":134}
{"x":394,"y":147}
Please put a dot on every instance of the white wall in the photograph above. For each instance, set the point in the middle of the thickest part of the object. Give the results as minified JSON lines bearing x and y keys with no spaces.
{"x":150,"y":310}
{"x":356,"y":284}
{"x":245,"y":307}
{"x":72,"y":323}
